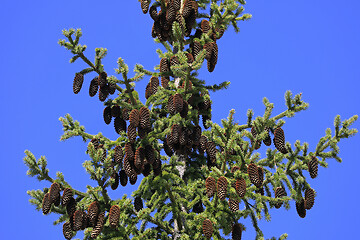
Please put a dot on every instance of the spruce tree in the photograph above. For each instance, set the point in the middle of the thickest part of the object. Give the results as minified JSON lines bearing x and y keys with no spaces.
{"x":191,"y":173}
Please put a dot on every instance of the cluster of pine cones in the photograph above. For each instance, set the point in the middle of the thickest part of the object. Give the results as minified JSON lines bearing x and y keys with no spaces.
{"x":170,"y":12}
{"x":80,"y":219}
{"x":279,"y":139}
{"x":208,"y":230}
{"x":98,"y":84}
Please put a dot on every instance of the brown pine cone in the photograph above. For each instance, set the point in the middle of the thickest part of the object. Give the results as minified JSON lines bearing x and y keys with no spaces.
{"x":279,"y":140}
{"x":99,"y":225}
{"x":240,"y":187}
{"x":210,"y":185}
{"x":78,"y":81}
{"x":222,"y":187}
{"x":300,"y":208}
{"x":279,"y":193}
{"x":207,"y":228}
{"x":114,"y":216}
{"x":93,"y":212}
{"x":313,"y":166}
{"x":309,"y":198}
{"x":46,"y":204}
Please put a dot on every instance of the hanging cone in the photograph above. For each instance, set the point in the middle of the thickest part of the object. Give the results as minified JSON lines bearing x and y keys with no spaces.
{"x":78,"y":81}
{"x":236,"y":231}
{"x":133,"y":179}
{"x":198,"y":207}
{"x":178,"y":102}
{"x":85,"y":220}
{"x":279,"y":193}
{"x":139,"y":158}
{"x":94,"y":86}
{"x":123,"y":177}
{"x":118,"y":154}
{"x":300,"y":208}
{"x":77,"y":220}
{"x":99,"y":225}
{"x":115,"y":111}
{"x":114,"y":216}
{"x":164,"y":65}
{"x":279,"y":140}
{"x":145,"y":6}
{"x":107,"y":115}
{"x":205,"y":26}
{"x":67,"y":194}
{"x":129,"y":151}
{"x":138,"y":204}
{"x":115,"y":184}
{"x":125,"y":114}
{"x":134,"y":117}
{"x":267,"y":140}
{"x":309,"y":198}
{"x":254,"y":175}
{"x":145,"y":118}
{"x":153,"y":13}
{"x":240,"y":187}
{"x":210,"y":185}
{"x":71,"y":208}
{"x":54,"y":192}
{"x":211,"y":151}
{"x":196,"y":48}
{"x":46,"y":204}
{"x":207,"y":228}
{"x":93,"y":213}
{"x":149,"y":154}
{"x":67,"y":231}
{"x":202,"y":144}
{"x":131,"y":133}
{"x":170,"y":105}
{"x":222,"y":187}
{"x":165,"y":82}
{"x":313,"y":165}
{"x":233,"y":205}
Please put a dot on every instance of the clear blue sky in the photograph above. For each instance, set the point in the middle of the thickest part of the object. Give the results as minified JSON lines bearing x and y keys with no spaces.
{"x":313,"y":48}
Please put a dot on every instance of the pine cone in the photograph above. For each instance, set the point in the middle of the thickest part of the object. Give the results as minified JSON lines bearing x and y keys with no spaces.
{"x":93,"y":213}
{"x":99,"y":225}
{"x":236,"y":231}
{"x":187,"y":8}
{"x":202,"y":144}
{"x":207,"y":228}
{"x":145,"y":6}
{"x":125,"y":114}
{"x":210,"y":185}
{"x":77,"y":220}
{"x":147,"y":169}
{"x":279,"y":193}
{"x":71,"y":208}
{"x":46,"y":203}
{"x":157,"y":167}
{"x":254,"y":175}
{"x":174,"y":60}
{"x":153,"y":13}
{"x":167,"y":149}
{"x":254,"y":133}
{"x":279,"y":140}
{"x":196,"y":48}
{"x":139,"y":158}
{"x":170,"y":13}
{"x":211,"y":151}
{"x":134,"y":118}
{"x":208,"y":47}
{"x":300,"y":208}
{"x":240,"y":187}
{"x":102,"y":79}
{"x":154,"y":83}
{"x":123,"y":177}
{"x":138,"y":204}
{"x":129,"y":150}
{"x":67,"y":194}
{"x":164,"y":65}
{"x":213,"y":59}
{"x":133,"y":179}
{"x":78,"y":82}
{"x":115,"y":111}
{"x":190,"y":58}
{"x":205,"y":26}
{"x":170,"y":105}
{"x":115,"y":184}
{"x":145,"y":118}
{"x":267,"y":140}
{"x":234,"y":169}
{"x":149,"y":154}
{"x":222,"y":187}
{"x":54,"y":192}
{"x":198,"y":207}
{"x":94,"y":86}
{"x":67,"y":231}
{"x":107,"y":115}
{"x":119,"y":124}
{"x":233,"y":205}
{"x":165,"y":82}
{"x":131,"y":133}
{"x":85,"y":221}
{"x":309,"y":198}
{"x":178,"y":102}
{"x":313,"y":167}
{"x":95,"y":142}
{"x":118,"y":155}
{"x":176,"y":4}
{"x":103,"y":93}
{"x":114,"y":216}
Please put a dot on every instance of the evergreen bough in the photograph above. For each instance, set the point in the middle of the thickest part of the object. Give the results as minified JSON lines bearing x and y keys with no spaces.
{"x":165,"y":142}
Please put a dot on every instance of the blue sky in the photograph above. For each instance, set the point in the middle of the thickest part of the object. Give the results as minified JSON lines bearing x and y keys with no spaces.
{"x":288,"y":45}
